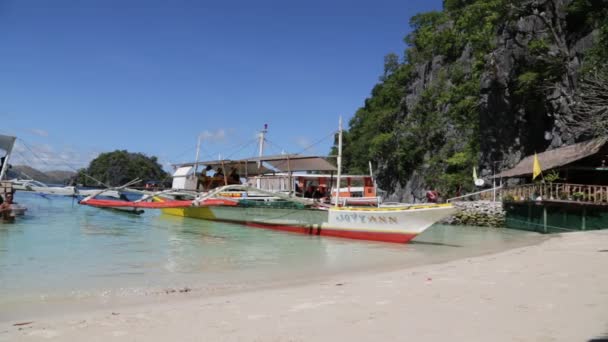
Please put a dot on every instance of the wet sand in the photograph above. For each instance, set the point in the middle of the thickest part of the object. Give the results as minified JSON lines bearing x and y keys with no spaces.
{"x":554,"y":291}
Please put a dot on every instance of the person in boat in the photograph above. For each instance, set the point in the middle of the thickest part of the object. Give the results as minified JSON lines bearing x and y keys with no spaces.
{"x":6,"y":212}
{"x":319,"y":192}
{"x":432,"y":196}
{"x":308,"y":193}
{"x":203,"y":179}
{"x":234,"y":177}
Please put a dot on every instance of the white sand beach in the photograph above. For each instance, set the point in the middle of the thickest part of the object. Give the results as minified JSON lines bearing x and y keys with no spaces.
{"x":554,"y":291}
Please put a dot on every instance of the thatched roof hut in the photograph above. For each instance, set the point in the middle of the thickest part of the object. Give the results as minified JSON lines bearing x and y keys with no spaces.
{"x":591,"y":155}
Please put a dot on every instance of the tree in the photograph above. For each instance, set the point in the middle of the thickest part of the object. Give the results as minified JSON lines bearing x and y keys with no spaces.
{"x":590,"y":116}
{"x":391,"y":65}
{"x":119,"y":167}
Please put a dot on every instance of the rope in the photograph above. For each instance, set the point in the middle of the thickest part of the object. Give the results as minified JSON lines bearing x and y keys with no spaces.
{"x":64,"y":163}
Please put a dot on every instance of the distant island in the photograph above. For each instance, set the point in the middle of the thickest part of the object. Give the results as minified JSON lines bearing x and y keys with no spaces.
{"x":112,"y":168}
{"x":48,"y":177}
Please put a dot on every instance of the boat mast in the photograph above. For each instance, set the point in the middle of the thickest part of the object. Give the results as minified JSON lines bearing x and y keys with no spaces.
{"x":339,"y":161}
{"x":371,"y":174}
{"x":198,"y":150}
{"x":261,"y":144}
{"x":261,"y":136}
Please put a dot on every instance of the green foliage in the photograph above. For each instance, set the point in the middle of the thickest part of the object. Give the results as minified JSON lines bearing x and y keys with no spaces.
{"x":508,"y":198}
{"x":552,"y":176}
{"x":477,"y":23}
{"x":578,"y":196}
{"x":431,"y":126}
{"x":391,"y":65}
{"x":598,"y":54}
{"x":433,"y":34}
{"x":455,"y":5}
{"x":119,"y":167}
{"x":585,"y":14}
{"x":538,"y":46}
{"x":528,"y":83}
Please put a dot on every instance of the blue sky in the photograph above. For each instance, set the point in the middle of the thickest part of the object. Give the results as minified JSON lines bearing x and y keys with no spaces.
{"x":82,"y":77}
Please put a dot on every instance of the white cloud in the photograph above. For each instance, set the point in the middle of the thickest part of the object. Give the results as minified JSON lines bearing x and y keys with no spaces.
{"x":45,"y":157}
{"x":215,"y":136}
{"x":39,"y":132}
{"x":303,"y":142}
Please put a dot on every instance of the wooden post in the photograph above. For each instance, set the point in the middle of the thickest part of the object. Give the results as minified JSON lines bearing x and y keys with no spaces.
{"x":544,"y":218}
{"x":529,"y":213}
{"x":225,"y":176}
{"x":584,"y":219}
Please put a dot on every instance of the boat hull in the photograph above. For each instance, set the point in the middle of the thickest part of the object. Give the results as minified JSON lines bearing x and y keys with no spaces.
{"x":376,"y":224}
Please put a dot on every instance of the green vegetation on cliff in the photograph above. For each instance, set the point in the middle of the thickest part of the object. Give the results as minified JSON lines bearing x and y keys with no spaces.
{"x":119,"y":167}
{"x":423,"y":117}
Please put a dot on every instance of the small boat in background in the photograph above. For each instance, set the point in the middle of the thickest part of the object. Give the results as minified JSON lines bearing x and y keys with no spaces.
{"x":42,"y":188}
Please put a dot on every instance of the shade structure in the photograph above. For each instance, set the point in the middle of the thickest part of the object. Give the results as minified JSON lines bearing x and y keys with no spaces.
{"x":281,"y":163}
{"x":243,"y":166}
{"x":294,"y":162}
{"x":556,"y":158}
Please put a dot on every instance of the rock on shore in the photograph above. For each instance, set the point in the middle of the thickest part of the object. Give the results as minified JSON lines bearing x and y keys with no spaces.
{"x":478,"y":213}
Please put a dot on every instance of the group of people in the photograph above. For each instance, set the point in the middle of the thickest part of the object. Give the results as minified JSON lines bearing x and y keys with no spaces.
{"x":217,"y":179}
{"x":6,"y":214}
{"x":315,"y":193}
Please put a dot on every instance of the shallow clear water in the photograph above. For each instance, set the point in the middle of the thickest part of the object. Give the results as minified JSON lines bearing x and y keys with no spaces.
{"x":61,"y":251}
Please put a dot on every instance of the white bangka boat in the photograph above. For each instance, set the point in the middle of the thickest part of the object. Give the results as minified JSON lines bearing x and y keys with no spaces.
{"x":269,"y":199}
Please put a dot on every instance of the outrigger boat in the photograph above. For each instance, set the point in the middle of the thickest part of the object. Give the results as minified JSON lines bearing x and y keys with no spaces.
{"x":31,"y":185}
{"x":270,"y":200}
{"x":278,"y":211}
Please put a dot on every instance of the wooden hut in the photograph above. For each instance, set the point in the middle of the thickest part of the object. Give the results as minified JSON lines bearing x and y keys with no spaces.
{"x":576,"y":200}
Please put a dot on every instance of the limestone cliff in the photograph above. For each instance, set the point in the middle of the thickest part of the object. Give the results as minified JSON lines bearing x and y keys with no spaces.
{"x":484,"y":83}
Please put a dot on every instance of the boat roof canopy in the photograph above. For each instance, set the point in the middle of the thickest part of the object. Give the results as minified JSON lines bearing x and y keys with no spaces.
{"x":295,"y":162}
{"x":326,"y":176}
{"x":244,"y":167}
{"x":281,"y":163}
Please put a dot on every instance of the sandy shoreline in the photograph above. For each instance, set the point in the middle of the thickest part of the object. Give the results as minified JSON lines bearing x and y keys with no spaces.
{"x":554,"y":291}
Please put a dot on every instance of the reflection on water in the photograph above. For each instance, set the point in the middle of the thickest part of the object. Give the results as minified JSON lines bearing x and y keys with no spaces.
{"x":61,"y":249}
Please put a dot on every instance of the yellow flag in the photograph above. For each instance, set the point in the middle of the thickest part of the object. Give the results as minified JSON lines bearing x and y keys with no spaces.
{"x":536,"y":170}
{"x":474,"y":174}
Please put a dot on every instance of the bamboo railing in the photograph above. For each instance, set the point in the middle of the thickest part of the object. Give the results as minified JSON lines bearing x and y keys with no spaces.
{"x":589,"y":194}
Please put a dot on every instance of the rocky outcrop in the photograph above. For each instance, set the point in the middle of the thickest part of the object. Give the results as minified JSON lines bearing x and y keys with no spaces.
{"x":513,"y":121}
{"x":515,"y":125}
{"x":478,"y":213}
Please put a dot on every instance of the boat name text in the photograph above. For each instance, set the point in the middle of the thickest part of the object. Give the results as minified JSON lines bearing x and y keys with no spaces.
{"x":359,"y":218}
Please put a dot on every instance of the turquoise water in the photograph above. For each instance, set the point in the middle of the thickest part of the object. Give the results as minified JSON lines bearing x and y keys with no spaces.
{"x":61,"y":252}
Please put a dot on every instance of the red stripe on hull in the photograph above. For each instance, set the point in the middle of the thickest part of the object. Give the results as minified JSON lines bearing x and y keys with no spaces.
{"x":347,"y":234}
{"x":372,"y":236}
